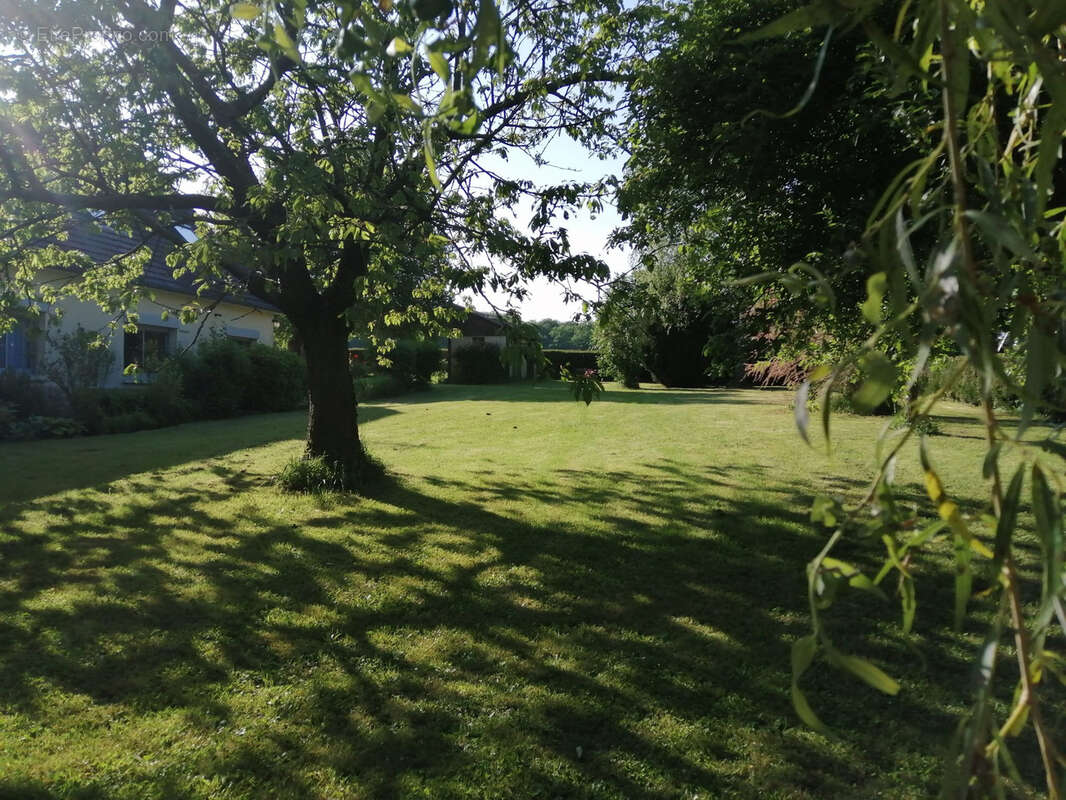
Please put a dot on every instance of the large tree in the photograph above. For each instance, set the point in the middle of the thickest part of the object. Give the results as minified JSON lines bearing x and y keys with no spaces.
{"x":296,"y":136}
{"x":766,"y":153}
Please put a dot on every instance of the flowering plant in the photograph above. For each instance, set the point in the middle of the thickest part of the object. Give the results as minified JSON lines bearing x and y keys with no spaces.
{"x":585,"y":385}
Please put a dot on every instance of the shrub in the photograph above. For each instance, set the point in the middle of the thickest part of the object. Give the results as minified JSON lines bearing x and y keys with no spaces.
{"x":414,"y":361}
{"x":278,"y":380}
{"x":79,"y":360}
{"x":114,"y":410}
{"x":967,"y":386}
{"x":923,"y":426}
{"x":777,"y":372}
{"x":225,"y":378}
{"x":37,"y":427}
{"x":216,"y":378}
{"x":478,"y":362}
{"x":164,"y":398}
{"x":27,"y":394}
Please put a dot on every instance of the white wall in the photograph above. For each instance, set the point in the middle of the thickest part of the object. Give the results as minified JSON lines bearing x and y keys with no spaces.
{"x":225,"y":319}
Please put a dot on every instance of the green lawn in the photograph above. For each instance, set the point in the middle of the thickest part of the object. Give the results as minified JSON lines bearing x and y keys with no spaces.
{"x":547,"y":600}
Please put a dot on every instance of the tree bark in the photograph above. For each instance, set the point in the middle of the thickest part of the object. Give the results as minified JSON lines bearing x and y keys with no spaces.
{"x":332,"y":424}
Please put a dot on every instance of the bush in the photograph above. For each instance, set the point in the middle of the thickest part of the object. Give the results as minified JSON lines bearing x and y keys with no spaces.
{"x":278,"y":380}
{"x":164,"y":398}
{"x":967,"y":387}
{"x":224,"y":378}
{"x":478,"y":362}
{"x":26,"y":394}
{"x":36,"y":427}
{"x":415,"y":361}
{"x":114,"y":410}
{"x":79,"y":360}
{"x":573,"y":361}
{"x":216,"y":378}
{"x":923,"y":426}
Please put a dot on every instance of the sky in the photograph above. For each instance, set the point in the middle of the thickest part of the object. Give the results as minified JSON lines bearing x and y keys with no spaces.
{"x":569,"y":161}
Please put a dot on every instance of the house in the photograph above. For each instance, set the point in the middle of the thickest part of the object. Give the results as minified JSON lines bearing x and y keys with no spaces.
{"x":482,"y":327}
{"x":159,"y":333}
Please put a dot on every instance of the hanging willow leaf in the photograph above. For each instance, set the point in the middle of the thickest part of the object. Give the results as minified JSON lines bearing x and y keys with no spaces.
{"x":876,"y":286}
{"x":803,"y":652}
{"x":801,"y":412}
{"x":245,"y":11}
{"x":879,"y":382}
{"x":1008,"y":517}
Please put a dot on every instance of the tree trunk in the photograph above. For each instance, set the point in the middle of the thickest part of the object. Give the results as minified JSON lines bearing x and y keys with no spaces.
{"x":332,"y":427}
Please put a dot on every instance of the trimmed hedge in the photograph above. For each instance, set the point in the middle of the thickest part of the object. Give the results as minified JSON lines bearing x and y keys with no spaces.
{"x":222,"y":378}
{"x":574,"y":360}
{"x":478,"y":362}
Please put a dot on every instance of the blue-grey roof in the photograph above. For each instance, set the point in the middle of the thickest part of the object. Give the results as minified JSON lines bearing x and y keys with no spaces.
{"x":99,"y":242}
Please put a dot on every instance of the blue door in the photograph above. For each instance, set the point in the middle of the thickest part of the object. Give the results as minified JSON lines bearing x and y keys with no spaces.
{"x":15,"y":350}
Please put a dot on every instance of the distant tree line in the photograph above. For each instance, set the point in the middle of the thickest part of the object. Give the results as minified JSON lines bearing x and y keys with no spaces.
{"x":573,"y":335}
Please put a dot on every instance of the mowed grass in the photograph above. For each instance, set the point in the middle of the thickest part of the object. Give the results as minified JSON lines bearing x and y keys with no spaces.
{"x":546,"y":600}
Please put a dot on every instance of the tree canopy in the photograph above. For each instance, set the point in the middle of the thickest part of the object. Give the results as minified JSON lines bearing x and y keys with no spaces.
{"x":322,"y":151}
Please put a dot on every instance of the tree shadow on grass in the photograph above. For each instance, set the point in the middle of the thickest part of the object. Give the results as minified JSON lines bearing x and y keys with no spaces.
{"x":110,"y":458}
{"x":559,"y":392}
{"x":418,"y":643}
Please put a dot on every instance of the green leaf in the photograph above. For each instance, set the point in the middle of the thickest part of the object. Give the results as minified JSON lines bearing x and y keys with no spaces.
{"x":865,"y":671}
{"x":963,"y":577}
{"x":407,"y":102}
{"x":827,"y":511}
{"x":1048,"y":152}
{"x":431,"y":160}
{"x":285,"y":42}
{"x":397,"y":47}
{"x":361,"y":81}
{"x":908,"y":602}
{"x":1008,"y":517}
{"x":991,"y":460}
{"x":854,"y":577}
{"x":1047,"y":513}
{"x":439,"y":64}
{"x":876,"y":286}
{"x":244,"y":11}
{"x":1039,"y":361}
{"x":999,"y":233}
{"x":374,"y":111}
{"x":803,"y":652}
{"x":800,"y":411}
{"x":810,"y":16}
{"x":804,"y":710}
{"x":880,"y":381}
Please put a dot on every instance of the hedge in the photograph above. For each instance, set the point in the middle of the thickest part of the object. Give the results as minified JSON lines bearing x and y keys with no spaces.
{"x":573,"y":360}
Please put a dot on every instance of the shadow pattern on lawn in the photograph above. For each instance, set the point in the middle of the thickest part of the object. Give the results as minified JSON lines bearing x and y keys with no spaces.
{"x":464,"y":649}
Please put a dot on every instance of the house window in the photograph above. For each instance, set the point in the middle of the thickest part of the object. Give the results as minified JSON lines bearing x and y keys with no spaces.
{"x":478,"y":339}
{"x":16,"y":351}
{"x":145,"y":348}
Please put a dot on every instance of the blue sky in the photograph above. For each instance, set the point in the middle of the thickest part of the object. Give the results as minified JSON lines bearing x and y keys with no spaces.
{"x":569,"y":161}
